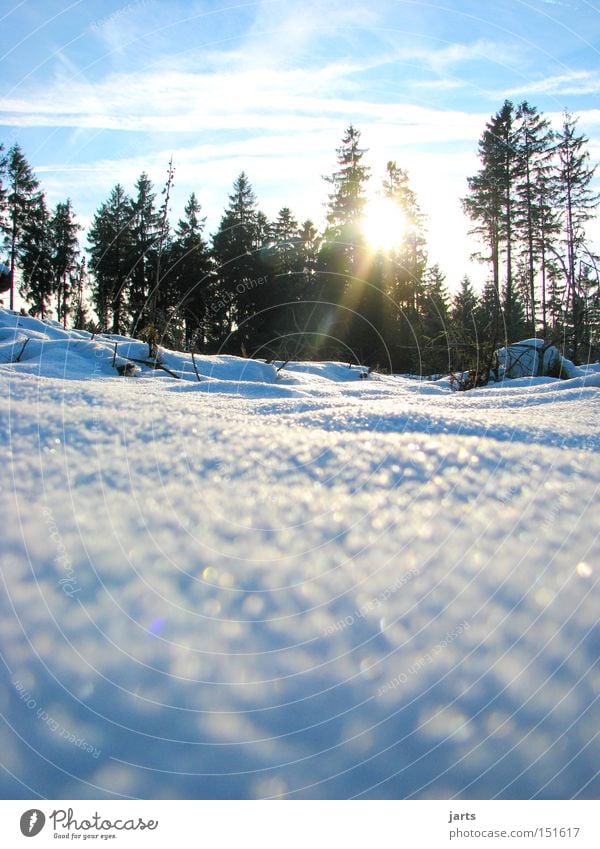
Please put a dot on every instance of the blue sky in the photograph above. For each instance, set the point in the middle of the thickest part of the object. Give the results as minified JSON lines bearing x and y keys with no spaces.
{"x":96,"y":92}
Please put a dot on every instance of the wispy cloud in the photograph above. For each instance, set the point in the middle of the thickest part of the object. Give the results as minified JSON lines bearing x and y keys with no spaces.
{"x":288,"y":69}
{"x":180,"y":102}
{"x":441,"y":56}
{"x":570,"y":83}
{"x":269,"y":33}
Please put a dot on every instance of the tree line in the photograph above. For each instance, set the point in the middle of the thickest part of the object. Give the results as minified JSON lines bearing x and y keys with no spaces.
{"x":282,"y":289}
{"x":529,"y":205}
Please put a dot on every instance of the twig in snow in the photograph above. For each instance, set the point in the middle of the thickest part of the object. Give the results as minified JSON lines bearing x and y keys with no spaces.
{"x":20,"y":354}
{"x":195,"y":367}
{"x":154,"y":365}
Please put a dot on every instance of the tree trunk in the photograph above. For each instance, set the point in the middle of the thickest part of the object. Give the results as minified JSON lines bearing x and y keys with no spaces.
{"x":13,"y":253}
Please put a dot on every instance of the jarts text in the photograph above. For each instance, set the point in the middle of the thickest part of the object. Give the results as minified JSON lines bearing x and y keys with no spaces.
{"x":454,"y":817}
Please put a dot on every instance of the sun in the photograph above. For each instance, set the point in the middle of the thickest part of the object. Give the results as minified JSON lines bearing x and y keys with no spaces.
{"x":383,"y":224}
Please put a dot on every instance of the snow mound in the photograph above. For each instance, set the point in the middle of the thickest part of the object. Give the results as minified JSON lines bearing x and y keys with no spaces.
{"x":48,"y":350}
{"x":535,"y":358}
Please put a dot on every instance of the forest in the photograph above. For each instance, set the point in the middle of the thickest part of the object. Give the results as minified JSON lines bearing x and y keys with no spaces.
{"x":284,"y":290}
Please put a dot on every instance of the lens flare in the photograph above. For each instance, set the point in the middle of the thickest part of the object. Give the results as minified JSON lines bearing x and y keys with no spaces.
{"x":383,"y":224}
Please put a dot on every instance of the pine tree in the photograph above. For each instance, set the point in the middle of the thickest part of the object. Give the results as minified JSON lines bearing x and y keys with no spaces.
{"x":161,"y":299}
{"x":284,"y":243}
{"x":348,"y":197}
{"x":22,"y":199}
{"x":548,"y":223}
{"x":343,"y":251}
{"x":36,"y":255}
{"x":3,"y":190}
{"x":65,"y":249}
{"x":143,"y":236}
{"x":490,"y":203}
{"x":110,"y":240}
{"x":78,"y":280}
{"x":310,"y":243}
{"x":434,"y":323}
{"x":515,"y":325}
{"x":410,"y":256}
{"x":589,"y":291}
{"x":489,"y":319}
{"x":282,"y":262}
{"x":574,"y":175}
{"x":292,"y":262}
{"x":190,"y":276}
{"x":235,"y":247}
{"x":396,"y":277}
{"x":463,"y":336}
{"x":534,"y":139}
{"x":5,"y":274}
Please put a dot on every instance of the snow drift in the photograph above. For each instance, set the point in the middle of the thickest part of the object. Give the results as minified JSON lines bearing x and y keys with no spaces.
{"x":536,"y":358}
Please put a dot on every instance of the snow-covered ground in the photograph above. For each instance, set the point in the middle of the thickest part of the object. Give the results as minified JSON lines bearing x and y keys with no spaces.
{"x":300,"y":584}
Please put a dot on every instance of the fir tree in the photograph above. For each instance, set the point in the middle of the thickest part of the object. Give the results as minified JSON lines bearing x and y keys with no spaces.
{"x":3,"y":190}
{"x":310,"y":243}
{"x":282,"y":261}
{"x":401,"y":269}
{"x":434,"y":321}
{"x":409,"y":257}
{"x":36,"y":257}
{"x":22,"y":200}
{"x":490,"y":203}
{"x":65,"y":249}
{"x":285,"y":240}
{"x":578,"y":201}
{"x":463,"y":336}
{"x":161,"y":298}
{"x":110,"y":240}
{"x":78,"y":281}
{"x":533,"y":223}
{"x":143,"y":237}
{"x":348,"y":197}
{"x":297,"y":286}
{"x":489,"y":318}
{"x":235,"y":246}
{"x":342,"y":257}
{"x":190,"y":276}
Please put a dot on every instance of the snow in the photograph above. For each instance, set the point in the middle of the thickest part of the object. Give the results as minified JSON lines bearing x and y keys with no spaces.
{"x":299,"y":583}
{"x":533,"y":357}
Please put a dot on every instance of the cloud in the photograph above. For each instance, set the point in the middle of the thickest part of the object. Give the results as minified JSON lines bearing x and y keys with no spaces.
{"x":285,"y":34}
{"x":443,"y":56}
{"x":286,"y":66}
{"x":185,"y":102}
{"x":269,"y":33}
{"x":571,"y":83}
{"x":179,"y":102}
